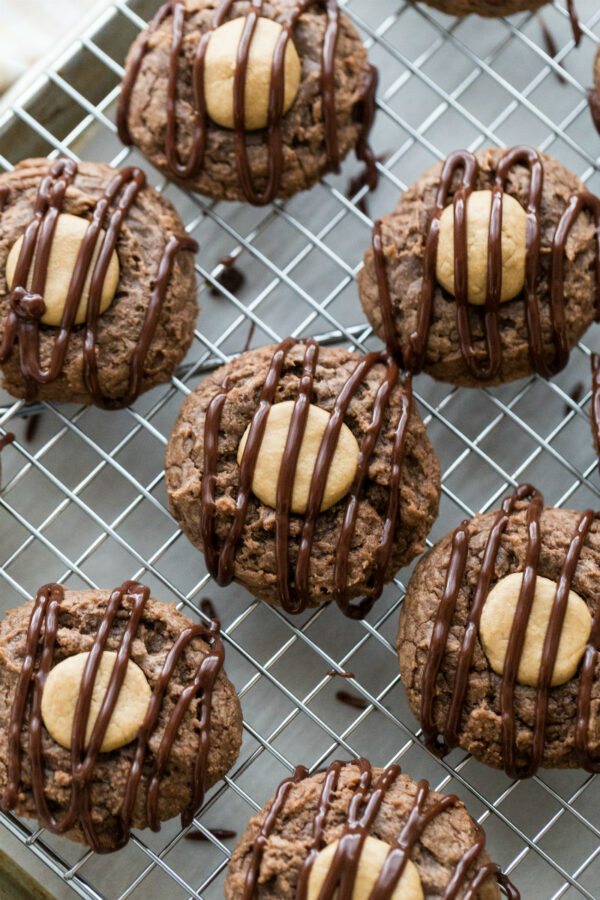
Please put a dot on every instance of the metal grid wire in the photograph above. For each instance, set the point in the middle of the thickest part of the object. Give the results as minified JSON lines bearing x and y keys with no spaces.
{"x":83,"y":500}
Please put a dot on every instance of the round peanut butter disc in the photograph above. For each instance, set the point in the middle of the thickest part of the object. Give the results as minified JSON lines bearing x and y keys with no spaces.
{"x":66,"y":242}
{"x":341,"y":472}
{"x":371,"y":861}
{"x":514,"y":227}
{"x":61,"y":693}
{"x":497,"y":618}
{"x":221,"y":63}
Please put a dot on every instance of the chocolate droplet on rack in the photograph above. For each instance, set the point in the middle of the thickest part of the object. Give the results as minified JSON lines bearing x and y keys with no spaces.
{"x":594,"y":104}
{"x":21,"y":327}
{"x":551,"y":47}
{"x":221,"y":834}
{"x":32,"y":427}
{"x":207,"y":608}
{"x":351,"y":700}
{"x":26,"y":714}
{"x":194,"y":162}
{"x":575,"y":26}
{"x":293,"y":587}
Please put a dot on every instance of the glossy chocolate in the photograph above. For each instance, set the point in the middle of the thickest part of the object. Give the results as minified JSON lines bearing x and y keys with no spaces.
{"x":188,"y":168}
{"x":26,"y":307}
{"x":413,"y":354}
{"x":364,"y":806}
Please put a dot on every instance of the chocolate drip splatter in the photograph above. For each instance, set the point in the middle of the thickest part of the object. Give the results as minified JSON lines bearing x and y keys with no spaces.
{"x":364,"y":806}
{"x":230,"y":277}
{"x":351,"y":700}
{"x":293,"y":588}
{"x":414,"y":352}
{"x":441,"y":743}
{"x":26,"y":306}
{"x":39,"y":652}
{"x":249,"y":336}
{"x":176,"y":9}
{"x":594,"y":104}
{"x":221,"y":834}
{"x":207,"y":608}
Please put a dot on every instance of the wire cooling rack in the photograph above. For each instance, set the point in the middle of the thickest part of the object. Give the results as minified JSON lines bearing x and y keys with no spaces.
{"x":83,"y":498}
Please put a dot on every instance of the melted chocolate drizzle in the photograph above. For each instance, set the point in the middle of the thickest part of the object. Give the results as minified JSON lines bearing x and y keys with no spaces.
{"x":594,"y":104}
{"x":449,"y":738}
{"x":293,"y":588}
{"x":352,"y":700}
{"x":551,"y":47}
{"x":230,"y":277}
{"x":595,"y":410}
{"x":222,"y":834}
{"x":364,"y":807}
{"x":26,"y":307}
{"x":414,"y":352}
{"x":26,"y":714}
{"x":184,"y":169}
{"x":7,"y":439}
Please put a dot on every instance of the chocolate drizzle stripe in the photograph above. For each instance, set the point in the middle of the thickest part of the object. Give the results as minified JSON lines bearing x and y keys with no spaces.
{"x":413,"y":353}
{"x":516,"y":640}
{"x":441,"y":629}
{"x":595,"y":410}
{"x":365,"y":109}
{"x":287,"y":472}
{"x":552,"y":638}
{"x":364,"y":806}
{"x":575,"y":26}
{"x":26,"y":306}
{"x":294,"y":594}
{"x":454,"y":577}
{"x":30,"y":686}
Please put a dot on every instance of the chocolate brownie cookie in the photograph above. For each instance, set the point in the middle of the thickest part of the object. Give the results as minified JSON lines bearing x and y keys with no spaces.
{"x":305,"y":474}
{"x":517,"y":232}
{"x":492,"y":8}
{"x":97,"y":284}
{"x":115,"y":713}
{"x":356,"y":831}
{"x":248,"y":101}
{"x":499,"y":637}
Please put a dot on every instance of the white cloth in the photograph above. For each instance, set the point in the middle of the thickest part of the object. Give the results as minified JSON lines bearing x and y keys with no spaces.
{"x":29,"y":29}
